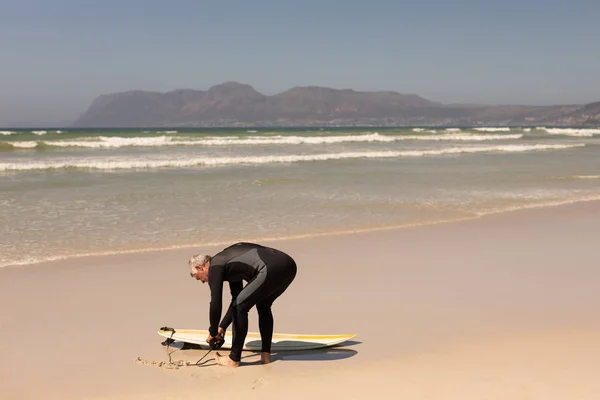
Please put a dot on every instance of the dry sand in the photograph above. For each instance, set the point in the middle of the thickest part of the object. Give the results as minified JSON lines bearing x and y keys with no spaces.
{"x":502,"y":307}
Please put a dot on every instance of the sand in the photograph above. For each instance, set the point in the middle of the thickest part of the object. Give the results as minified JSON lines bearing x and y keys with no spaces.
{"x":501,"y":307}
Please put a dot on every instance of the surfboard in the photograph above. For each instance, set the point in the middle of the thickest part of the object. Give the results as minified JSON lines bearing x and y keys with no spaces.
{"x":281,"y":341}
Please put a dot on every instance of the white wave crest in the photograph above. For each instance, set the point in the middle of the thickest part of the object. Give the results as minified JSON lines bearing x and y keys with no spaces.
{"x":586,"y":176}
{"x":374,"y":137}
{"x":418,"y":130}
{"x":24,"y":145}
{"x":6,"y":133}
{"x":127,"y":164}
{"x":39,"y":132}
{"x":573,"y":132}
{"x":116,"y":142}
{"x":464,"y":137}
{"x":526,"y":129}
{"x":490,"y":129}
{"x":262,"y":140}
{"x":453,"y":129}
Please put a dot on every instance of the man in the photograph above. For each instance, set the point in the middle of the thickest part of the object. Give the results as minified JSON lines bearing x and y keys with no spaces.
{"x":268,"y":272}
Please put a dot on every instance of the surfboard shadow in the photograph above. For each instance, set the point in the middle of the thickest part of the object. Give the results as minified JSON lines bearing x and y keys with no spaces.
{"x":293,"y":345}
{"x":333,"y":353}
{"x":330,"y":354}
{"x":177,"y":345}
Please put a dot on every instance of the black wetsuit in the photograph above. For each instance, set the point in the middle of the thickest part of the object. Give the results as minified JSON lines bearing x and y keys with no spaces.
{"x":268,"y":272}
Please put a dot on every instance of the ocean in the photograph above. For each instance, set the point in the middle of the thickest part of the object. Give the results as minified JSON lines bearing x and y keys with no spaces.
{"x":68,"y":193}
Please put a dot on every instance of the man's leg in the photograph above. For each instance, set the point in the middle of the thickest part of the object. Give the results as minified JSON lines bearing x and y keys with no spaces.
{"x":264,"y":284}
{"x":265,"y":319}
{"x":264,"y":288}
{"x":265,"y":314}
{"x":265,"y":325}
{"x":253,"y":292}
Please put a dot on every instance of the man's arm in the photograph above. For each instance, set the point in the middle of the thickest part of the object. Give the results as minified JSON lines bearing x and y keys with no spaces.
{"x":236,"y":288}
{"x":215,"y":282}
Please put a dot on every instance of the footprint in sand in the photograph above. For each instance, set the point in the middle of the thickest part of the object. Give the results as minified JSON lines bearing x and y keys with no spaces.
{"x":259,"y":382}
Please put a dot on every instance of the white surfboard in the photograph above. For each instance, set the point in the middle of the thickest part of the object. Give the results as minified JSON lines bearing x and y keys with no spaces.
{"x":281,"y":341}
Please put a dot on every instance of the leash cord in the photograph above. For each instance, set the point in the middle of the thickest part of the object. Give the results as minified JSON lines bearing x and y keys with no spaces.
{"x":170,"y":340}
{"x":204,"y":356}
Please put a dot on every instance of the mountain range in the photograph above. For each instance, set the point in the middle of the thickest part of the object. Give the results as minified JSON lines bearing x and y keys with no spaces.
{"x":237,"y":104}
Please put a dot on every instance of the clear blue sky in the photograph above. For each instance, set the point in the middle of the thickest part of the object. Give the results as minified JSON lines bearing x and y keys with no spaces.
{"x":56,"y":56}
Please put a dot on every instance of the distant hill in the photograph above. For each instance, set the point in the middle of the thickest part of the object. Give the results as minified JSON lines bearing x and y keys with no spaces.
{"x":237,"y":104}
{"x":589,"y":114}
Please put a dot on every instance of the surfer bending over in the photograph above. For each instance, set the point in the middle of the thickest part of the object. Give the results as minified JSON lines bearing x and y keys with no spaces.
{"x":268,"y":272}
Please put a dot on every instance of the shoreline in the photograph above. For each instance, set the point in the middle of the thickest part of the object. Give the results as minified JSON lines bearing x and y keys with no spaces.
{"x":476,"y":216}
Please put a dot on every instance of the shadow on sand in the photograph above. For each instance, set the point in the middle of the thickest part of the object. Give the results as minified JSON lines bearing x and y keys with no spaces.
{"x":338,"y":352}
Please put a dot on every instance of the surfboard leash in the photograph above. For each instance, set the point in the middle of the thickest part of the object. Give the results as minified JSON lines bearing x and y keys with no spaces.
{"x":203,"y":357}
{"x":168,"y":341}
{"x":214,"y":344}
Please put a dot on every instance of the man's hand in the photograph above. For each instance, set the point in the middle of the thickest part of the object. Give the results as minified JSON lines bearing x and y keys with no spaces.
{"x":221,"y":333}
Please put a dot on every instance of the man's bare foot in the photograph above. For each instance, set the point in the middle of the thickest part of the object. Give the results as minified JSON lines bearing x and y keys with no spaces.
{"x":226,"y":361}
{"x":265,"y":358}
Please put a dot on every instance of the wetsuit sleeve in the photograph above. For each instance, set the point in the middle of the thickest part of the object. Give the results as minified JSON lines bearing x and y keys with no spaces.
{"x":215,"y":282}
{"x":236,"y":288}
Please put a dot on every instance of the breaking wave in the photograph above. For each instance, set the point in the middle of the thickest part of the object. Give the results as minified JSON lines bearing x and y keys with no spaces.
{"x":502,"y":129}
{"x":463,"y":137}
{"x":573,"y":132}
{"x":143,"y":163}
{"x":103,"y":142}
{"x":23,"y":145}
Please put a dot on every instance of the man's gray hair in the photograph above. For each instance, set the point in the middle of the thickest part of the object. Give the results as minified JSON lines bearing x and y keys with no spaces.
{"x":198,"y":259}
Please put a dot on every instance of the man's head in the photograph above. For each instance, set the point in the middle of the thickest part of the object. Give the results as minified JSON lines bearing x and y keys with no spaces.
{"x":199,"y":265}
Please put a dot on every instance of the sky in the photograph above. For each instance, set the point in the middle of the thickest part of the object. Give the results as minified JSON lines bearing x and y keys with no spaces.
{"x":57,"y":56}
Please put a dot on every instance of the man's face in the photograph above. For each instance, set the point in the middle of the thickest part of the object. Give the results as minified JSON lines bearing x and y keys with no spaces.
{"x":201,"y":273}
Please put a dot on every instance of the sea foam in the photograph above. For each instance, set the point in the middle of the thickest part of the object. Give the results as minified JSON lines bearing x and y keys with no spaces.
{"x":573,"y":132}
{"x":103,"y":142}
{"x":121,"y":163}
{"x":492,"y":129}
{"x":23,"y":145}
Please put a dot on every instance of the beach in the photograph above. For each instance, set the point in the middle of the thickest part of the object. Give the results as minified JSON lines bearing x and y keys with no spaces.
{"x":412,"y":189}
{"x":503,"y":306}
